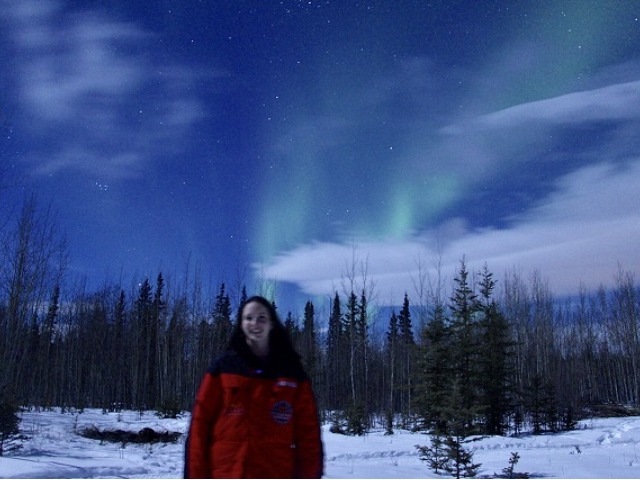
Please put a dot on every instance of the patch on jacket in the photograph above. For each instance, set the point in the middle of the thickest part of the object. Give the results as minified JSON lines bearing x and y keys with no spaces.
{"x":282,"y":412}
{"x":287,"y":383}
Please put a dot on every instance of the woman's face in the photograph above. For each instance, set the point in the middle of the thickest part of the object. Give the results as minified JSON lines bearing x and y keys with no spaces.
{"x":256,"y":325}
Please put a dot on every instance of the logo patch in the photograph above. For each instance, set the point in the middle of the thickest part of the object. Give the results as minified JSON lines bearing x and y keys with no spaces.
{"x":282,"y":412}
{"x":286,"y":383}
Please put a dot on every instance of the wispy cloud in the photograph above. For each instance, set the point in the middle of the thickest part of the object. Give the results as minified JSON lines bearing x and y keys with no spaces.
{"x":614,"y":102}
{"x":578,"y":233}
{"x":91,"y":95}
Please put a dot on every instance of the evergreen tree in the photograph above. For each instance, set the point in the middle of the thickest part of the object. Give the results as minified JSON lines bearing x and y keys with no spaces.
{"x":356,"y":346}
{"x":334,"y":356}
{"x":291,"y":326}
{"x":351,"y":329}
{"x":121,"y":391}
{"x":356,"y":419}
{"x":407,"y":355}
{"x":540,"y":404}
{"x":48,"y":349}
{"x":495,"y":360}
{"x":142,"y":335}
{"x":203,"y":351}
{"x":362,"y":365}
{"x":243,"y":298}
{"x":496,"y":372}
{"x":32,"y":353}
{"x":459,"y":459}
{"x":435,"y":455}
{"x":459,"y":427}
{"x":309,"y":345}
{"x":393,"y":362}
{"x":222,"y":324}
{"x":435,"y":374}
{"x":464,"y":328}
{"x":509,"y":472}
{"x":176,"y":343}
{"x":404,"y":323}
{"x":156,"y":330}
{"x":551,"y":409}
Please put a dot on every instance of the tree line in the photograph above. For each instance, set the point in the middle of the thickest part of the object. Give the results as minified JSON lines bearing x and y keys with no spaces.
{"x":485,"y":359}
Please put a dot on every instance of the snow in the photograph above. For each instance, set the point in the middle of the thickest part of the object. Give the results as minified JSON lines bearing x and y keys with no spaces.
{"x":599,"y":448}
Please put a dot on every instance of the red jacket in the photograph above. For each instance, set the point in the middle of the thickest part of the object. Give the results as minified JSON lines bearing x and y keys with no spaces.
{"x":253,"y":422}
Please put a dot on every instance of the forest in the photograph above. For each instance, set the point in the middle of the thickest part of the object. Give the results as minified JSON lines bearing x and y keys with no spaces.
{"x":498,"y":355}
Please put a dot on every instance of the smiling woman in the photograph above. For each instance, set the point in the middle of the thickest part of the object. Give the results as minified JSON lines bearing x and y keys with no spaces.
{"x":256,"y":326}
{"x":255,"y":414}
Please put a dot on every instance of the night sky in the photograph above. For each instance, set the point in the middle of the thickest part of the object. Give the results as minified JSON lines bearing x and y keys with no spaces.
{"x":291,"y":140}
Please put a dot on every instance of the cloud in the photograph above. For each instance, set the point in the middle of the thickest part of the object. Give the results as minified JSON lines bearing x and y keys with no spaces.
{"x":93,"y":96}
{"x":579,"y":234}
{"x":614,"y":102}
{"x":519,"y":133}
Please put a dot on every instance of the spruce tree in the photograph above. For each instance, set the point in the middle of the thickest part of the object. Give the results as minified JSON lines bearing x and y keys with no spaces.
{"x":540,"y":404}
{"x":222,"y":323}
{"x":435,"y":454}
{"x":355,"y":324}
{"x":121,"y":375}
{"x":156,"y":330}
{"x":495,"y":371}
{"x":392,"y":357}
{"x":291,"y":326}
{"x":334,"y":356}
{"x":405,"y":324}
{"x":495,"y":362}
{"x":407,"y":356}
{"x":308,"y":344}
{"x":362,"y":364}
{"x":142,"y":334}
{"x":459,"y":460}
{"x":49,"y":349}
{"x":244,"y":296}
{"x":434,"y":374}
{"x":464,"y":327}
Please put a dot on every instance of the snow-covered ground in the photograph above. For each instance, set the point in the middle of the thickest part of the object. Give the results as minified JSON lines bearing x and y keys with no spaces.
{"x":600,"y":448}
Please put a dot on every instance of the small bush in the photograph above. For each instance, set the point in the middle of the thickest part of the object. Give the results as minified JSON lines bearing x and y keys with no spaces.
{"x":604,"y":410}
{"x":356,"y":420}
{"x":388,"y":423}
{"x":10,"y":436}
{"x":509,"y":472}
{"x":146,"y":435}
{"x":434,"y":455}
{"x":169,"y":409}
{"x":336,"y":428}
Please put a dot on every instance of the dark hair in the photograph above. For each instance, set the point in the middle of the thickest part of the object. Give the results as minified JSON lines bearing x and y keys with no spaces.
{"x":280,"y":344}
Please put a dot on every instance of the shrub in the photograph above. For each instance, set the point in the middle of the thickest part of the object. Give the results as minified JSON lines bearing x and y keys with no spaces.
{"x":169,"y":409}
{"x":146,"y":435}
{"x":9,"y":426}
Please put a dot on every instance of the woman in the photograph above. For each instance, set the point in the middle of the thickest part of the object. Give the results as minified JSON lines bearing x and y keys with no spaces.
{"x":255,"y":415}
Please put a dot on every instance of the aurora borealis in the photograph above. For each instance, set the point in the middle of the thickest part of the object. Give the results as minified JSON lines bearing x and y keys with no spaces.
{"x":286,"y":137}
